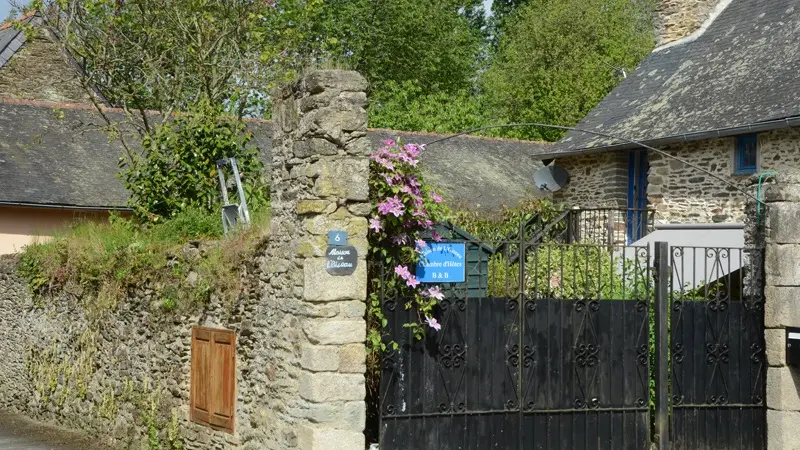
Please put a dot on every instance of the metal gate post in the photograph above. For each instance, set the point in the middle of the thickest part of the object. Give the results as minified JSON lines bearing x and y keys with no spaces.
{"x":521,"y":331}
{"x":662,"y":343}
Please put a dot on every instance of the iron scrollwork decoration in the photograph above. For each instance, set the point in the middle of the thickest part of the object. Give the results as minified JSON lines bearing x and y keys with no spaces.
{"x":586,"y":353}
{"x":452,"y":356}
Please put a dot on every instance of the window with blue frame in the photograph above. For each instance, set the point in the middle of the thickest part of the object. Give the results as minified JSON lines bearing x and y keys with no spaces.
{"x":746,"y":157}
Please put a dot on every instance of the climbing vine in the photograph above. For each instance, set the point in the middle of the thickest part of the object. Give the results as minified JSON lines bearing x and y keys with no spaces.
{"x":405,"y":210}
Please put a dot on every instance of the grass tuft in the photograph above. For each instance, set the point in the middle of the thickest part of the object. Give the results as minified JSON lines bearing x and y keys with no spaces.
{"x":184,"y":260}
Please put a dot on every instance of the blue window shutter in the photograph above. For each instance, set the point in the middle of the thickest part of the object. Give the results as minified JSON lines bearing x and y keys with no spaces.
{"x":746,"y":158}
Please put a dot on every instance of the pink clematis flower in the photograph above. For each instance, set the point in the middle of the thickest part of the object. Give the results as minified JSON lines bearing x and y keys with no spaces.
{"x":420,"y":243}
{"x":412,"y":281}
{"x":392,"y":205}
{"x":400,"y":239}
{"x":433,"y":323}
{"x":375,"y":224}
{"x":436,"y":236}
{"x":412,"y":150}
{"x":435,"y":292}
{"x":436,"y":197}
{"x":402,"y":271}
{"x":389,"y":142}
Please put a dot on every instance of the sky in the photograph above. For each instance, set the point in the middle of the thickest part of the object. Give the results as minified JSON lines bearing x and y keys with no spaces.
{"x":5,"y":8}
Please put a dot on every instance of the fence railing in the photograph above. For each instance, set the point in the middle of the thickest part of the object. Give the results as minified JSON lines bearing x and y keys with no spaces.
{"x":590,"y":226}
{"x":607,"y":226}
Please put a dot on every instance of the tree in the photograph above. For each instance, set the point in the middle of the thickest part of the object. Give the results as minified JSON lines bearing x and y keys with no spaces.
{"x":406,"y":107}
{"x":200,"y":64}
{"x":501,"y":10}
{"x":179,"y":171}
{"x":432,"y":43}
{"x":414,"y":53}
{"x":166,"y":55}
{"x":558,"y":59}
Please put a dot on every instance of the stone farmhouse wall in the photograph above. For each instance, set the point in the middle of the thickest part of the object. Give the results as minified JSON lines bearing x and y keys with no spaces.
{"x":40,"y":70}
{"x":300,"y":333}
{"x":679,"y":193}
{"x":596,"y":180}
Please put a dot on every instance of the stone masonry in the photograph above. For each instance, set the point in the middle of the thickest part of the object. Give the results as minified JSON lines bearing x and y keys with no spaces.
{"x":781,"y":310}
{"x":598,"y":180}
{"x":320,"y":183}
{"x":41,"y":71}
{"x":300,"y":333}
{"x":681,"y":193}
{"x":680,"y":18}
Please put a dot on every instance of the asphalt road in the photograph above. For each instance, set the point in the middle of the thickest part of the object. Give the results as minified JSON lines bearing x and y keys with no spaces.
{"x":20,"y":433}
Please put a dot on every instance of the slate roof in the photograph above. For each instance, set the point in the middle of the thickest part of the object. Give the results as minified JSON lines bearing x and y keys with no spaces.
{"x":476,"y":173}
{"x":53,"y":162}
{"x":741,"y":72}
{"x":70,"y":162}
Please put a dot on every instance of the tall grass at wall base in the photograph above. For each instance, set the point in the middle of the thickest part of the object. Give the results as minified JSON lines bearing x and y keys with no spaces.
{"x":182,"y":260}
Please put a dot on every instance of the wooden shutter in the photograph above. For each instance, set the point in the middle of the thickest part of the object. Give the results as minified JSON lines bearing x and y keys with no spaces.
{"x":213,"y":382}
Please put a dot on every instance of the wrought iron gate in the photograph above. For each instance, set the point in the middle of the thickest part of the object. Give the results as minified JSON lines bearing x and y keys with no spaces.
{"x":717,"y":348}
{"x":555,"y":350}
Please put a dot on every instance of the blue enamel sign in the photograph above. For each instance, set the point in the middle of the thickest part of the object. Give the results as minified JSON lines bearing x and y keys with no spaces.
{"x":337,"y":238}
{"x":442,"y":262}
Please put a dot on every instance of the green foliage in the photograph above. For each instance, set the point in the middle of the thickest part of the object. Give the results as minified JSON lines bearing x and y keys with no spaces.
{"x":501,"y":10}
{"x":505,"y":223}
{"x":572,"y":272}
{"x":178,"y":170}
{"x":426,"y":42}
{"x":190,"y":223}
{"x":100,"y":262}
{"x":556,"y":61}
{"x":166,"y":55}
{"x":407,"y":106}
{"x":420,"y":57}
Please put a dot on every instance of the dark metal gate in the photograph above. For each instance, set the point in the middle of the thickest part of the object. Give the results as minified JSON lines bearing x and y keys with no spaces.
{"x":556,"y":353}
{"x":717,"y":349}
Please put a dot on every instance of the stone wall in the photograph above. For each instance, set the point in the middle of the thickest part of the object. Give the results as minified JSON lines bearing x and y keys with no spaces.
{"x":300,"y":332}
{"x":596,"y":180}
{"x":681,"y":193}
{"x":677,"y":19}
{"x":782,"y":309}
{"x":127,"y":374}
{"x":41,"y":71}
{"x":678,"y":192}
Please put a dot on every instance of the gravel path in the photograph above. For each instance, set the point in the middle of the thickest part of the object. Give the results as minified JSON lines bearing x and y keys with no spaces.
{"x":20,"y":433}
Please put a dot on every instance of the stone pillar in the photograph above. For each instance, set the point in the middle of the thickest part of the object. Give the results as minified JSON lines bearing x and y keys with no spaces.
{"x":782,"y":309}
{"x":320,"y":171}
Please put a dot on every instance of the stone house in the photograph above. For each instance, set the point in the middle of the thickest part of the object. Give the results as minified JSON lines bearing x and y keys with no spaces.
{"x":720,"y":93}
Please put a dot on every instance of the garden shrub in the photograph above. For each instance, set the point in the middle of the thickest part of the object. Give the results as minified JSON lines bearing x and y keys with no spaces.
{"x":178,"y":169}
{"x":572,"y":272}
